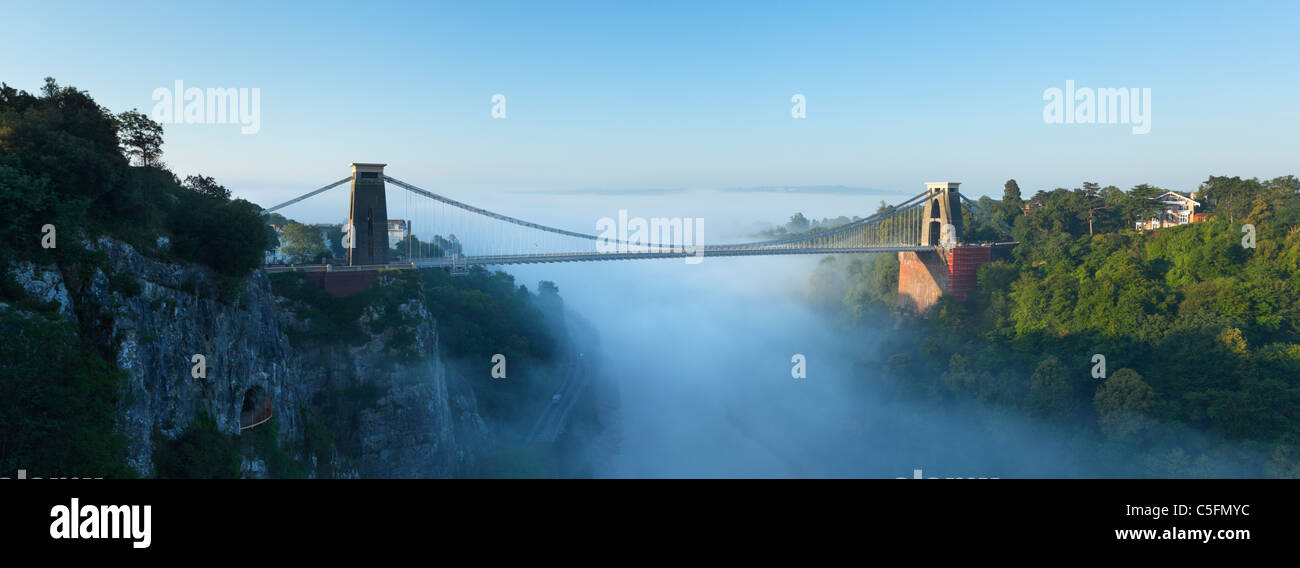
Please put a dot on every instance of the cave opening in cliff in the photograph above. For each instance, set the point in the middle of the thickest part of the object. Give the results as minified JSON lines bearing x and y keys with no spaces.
{"x":256,"y":409}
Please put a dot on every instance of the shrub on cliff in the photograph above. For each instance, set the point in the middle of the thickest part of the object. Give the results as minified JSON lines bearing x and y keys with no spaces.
{"x":201,"y":452}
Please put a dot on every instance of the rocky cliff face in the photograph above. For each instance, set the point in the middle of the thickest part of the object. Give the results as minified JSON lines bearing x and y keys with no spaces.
{"x":404,"y":420}
{"x":158,"y":320}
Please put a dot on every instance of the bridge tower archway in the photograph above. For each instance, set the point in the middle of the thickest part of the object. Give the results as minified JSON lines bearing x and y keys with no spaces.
{"x":942,"y":207}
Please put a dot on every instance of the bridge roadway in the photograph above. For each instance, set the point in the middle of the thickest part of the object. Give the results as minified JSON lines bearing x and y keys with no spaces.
{"x":499,"y":260}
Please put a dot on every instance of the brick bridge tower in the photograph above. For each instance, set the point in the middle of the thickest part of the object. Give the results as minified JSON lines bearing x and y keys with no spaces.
{"x":368,"y":216}
{"x":947,"y":269}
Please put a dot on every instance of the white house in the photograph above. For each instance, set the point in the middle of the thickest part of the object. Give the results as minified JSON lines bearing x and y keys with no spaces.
{"x":1178,"y":209}
{"x":397,"y":230}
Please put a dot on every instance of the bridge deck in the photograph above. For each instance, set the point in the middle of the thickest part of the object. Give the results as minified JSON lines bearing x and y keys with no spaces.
{"x":500,"y":260}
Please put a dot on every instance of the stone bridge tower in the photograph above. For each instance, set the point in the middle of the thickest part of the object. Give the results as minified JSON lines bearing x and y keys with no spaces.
{"x":942,"y":207}
{"x":368,"y":216}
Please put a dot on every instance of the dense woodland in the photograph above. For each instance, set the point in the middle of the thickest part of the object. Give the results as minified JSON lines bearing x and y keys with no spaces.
{"x":1200,"y":333}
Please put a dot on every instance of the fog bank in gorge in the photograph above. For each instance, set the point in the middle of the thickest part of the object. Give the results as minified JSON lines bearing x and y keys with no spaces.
{"x":702,"y":356}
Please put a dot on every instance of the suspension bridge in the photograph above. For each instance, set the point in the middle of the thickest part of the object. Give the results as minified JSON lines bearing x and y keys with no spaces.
{"x":446,"y":233}
{"x":439,"y":232}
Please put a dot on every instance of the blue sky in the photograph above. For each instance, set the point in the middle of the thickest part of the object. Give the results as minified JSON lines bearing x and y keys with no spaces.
{"x":687,"y":97}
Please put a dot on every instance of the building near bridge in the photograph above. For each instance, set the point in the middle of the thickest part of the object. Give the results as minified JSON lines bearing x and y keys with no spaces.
{"x":397,"y":230}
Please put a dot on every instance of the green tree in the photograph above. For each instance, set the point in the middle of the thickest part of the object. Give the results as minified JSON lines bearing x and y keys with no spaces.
{"x":1231,"y":196}
{"x":301,"y":243}
{"x":228,"y":236}
{"x":1142,"y":204}
{"x":1123,"y":403}
{"x":1276,"y":200}
{"x":1051,"y":392}
{"x":142,"y":138}
{"x":1011,"y":193}
{"x":1108,"y":211}
{"x":798,"y":223}
{"x":205,"y":185}
{"x":1010,"y":206}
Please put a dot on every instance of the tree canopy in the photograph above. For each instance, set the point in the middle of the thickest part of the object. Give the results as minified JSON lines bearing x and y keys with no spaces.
{"x":1203,"y":331}
{"x":302,"y":243}
{"x":142,"y":138}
